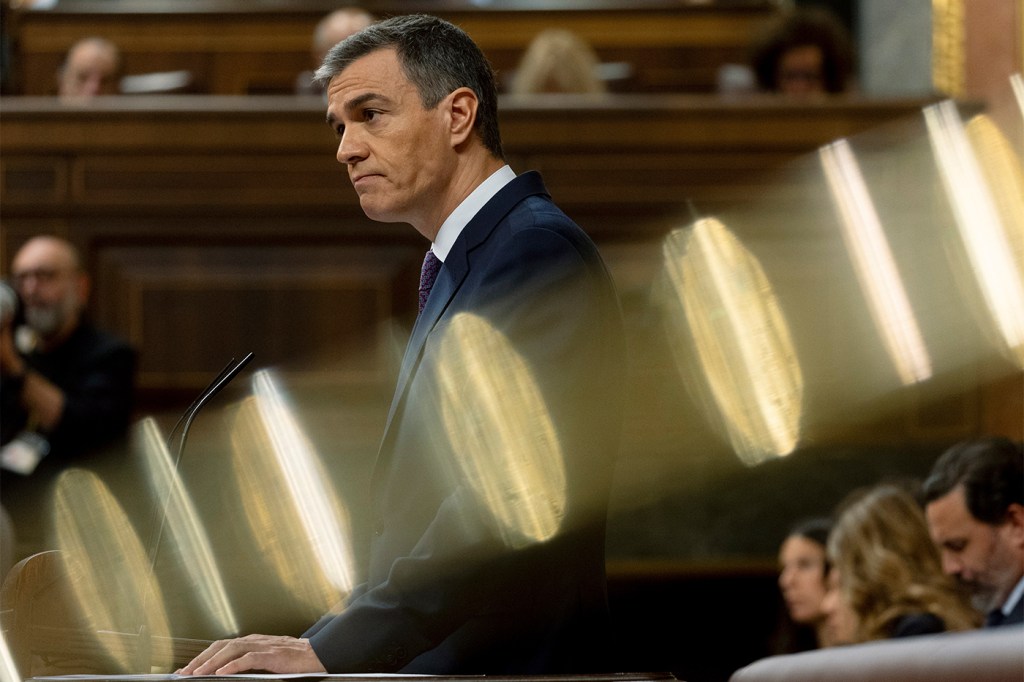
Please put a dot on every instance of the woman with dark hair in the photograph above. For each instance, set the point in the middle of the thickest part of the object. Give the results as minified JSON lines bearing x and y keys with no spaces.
{"x":803,"y":570}
{"x":807,"y":51}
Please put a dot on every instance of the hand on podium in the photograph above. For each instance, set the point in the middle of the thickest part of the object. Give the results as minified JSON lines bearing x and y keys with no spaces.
{"x":265,"y":653}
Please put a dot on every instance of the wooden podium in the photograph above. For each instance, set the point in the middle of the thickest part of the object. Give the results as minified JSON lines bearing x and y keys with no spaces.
{"x":46,"y":635}
{"x":50,"y":642}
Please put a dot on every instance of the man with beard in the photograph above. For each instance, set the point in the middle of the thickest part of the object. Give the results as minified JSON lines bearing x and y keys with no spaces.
{"x":67,"y":387}
{"x":975,"y":510}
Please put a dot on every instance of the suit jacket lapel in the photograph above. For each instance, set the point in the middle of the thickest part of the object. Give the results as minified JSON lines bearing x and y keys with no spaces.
{"x":449,"y":280}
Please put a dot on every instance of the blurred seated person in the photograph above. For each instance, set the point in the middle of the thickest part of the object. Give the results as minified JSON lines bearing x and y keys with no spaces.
{"x":329,"y":31}
{"x":557,"y":60}
{"x":886,"y":579}
{"x":66,"y":388}
{"x":974,"y":503}
{"x":803,"y":576}
{"x":808,"y":51}
{"x":92,"y":66}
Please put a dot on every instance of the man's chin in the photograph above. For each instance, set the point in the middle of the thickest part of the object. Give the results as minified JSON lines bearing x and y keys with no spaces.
{"x":378,"y":214}
{"x":43,"y":321}
{"x":983,"y":600}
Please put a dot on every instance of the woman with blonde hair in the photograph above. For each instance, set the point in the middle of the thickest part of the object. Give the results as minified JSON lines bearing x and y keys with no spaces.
{"x":886,"y":579}
{"x":557,"y":60}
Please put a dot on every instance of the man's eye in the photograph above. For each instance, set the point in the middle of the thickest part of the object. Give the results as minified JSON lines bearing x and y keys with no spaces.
{"x":370,"y":114}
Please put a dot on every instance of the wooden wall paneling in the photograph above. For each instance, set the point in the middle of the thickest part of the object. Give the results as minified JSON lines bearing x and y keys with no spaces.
{"x":234,"y":48}
{"x":34,"y":180}
{"x":309,"y":310}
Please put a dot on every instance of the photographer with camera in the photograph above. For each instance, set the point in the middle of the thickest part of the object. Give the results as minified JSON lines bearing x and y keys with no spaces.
{"x":66,"y":388}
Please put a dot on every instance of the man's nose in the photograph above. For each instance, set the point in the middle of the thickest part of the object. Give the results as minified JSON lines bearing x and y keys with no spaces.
{"x":27,"y":286}
{"x":350,"y":148}
{"x":951,"y":564}
{"x":93,"y":86}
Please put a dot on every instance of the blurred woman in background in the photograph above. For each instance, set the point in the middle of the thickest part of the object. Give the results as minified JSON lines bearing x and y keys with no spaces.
{"x":886,"y":579}
{"x":557,"y":60}
{"x":803,"y":570}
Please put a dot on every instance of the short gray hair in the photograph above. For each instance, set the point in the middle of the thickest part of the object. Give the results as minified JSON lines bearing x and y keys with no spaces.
{"x":436,"y":56}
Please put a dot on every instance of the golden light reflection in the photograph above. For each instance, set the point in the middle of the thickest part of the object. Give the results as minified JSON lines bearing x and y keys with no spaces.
{"x":742,"y":342}
{"x":504,"y":442}
{"x":184,"y":531}
{"x":297,"y":520}
{"x":1017,"y":84}
{"x":874,"y":264}
{"x":8,"y":670}
{"x":990,"y":229}
{"x":111,"y":577}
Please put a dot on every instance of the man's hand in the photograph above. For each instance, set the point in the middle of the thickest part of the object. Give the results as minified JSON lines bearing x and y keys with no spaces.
{"x":266,"y":653}
{"x":10,"y":362}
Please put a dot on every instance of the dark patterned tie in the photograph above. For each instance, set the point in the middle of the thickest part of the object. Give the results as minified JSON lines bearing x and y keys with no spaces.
{"x":431,"y":266}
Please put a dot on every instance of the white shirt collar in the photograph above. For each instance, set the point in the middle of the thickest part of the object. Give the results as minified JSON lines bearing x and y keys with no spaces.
{"x":453,"y":225}
{"x":1015,"y":596}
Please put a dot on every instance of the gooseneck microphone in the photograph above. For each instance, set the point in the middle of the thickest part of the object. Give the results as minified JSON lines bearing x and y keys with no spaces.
{"x":229,"y":372}
{"x":220,"y":381}
{"x":185,"y":422}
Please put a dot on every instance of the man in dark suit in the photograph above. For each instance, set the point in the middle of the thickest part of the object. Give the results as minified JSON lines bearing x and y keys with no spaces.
{"x":490,"y":487}
{"x":975,"y":511}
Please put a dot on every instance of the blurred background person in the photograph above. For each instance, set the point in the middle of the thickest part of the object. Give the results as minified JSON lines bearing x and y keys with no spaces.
{"x":886,"y":579}
{"x":974,"y":499}
{"x":66,"y":388}
{"x":803,"y":575}
{"x":92,"y":66}
{"x":807,"y":51}
{"x":557,"y":60}
{"x":329,"y":31}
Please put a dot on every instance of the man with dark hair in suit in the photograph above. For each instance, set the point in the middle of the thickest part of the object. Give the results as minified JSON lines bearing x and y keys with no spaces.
{"x":489,"y":493}
{"x":975,"y":509}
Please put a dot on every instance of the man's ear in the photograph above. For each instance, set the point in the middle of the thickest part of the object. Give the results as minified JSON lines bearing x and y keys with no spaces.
{"x":462,"y":105}
{"x":83,"y":287}
{"x":1015,"y":523}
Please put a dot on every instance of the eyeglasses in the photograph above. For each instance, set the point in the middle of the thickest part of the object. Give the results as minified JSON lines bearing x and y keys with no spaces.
{"x":40,"y":275}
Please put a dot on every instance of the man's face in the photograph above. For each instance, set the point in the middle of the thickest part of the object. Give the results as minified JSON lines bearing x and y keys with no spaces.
{"x":986,"y":559}
{"x":801,"y":71}
{"x":399,"y":155}
{"x":91,"y":70}
{"x":50,"y":285}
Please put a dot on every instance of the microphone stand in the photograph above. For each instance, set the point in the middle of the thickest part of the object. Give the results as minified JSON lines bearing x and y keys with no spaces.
{"x":185,"y":422}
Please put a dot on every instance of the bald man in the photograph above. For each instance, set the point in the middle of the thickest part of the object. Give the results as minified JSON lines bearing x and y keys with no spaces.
{"x":92,"y":66}
{"x":329,"y":31}
{"x":67,"y":387}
